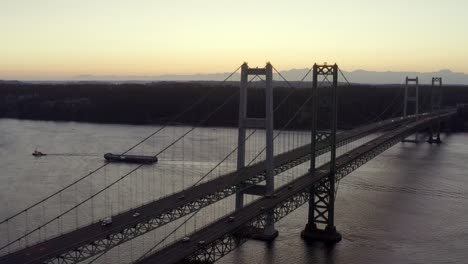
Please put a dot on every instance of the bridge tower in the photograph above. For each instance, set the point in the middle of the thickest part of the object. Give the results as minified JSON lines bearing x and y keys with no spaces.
{"x":269,"y":232}
{"x":321,"y":218}
{"x":411,"y":102}
{"x":436,"y":105}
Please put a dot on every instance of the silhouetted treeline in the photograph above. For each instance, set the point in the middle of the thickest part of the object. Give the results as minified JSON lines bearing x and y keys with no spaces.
{"x":158,"y":103}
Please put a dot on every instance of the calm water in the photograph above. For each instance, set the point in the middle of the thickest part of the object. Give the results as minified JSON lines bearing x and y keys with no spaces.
{"x":409,"y":205}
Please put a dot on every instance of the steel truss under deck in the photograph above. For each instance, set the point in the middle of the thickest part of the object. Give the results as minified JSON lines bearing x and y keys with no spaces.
{"x":346,"y":164}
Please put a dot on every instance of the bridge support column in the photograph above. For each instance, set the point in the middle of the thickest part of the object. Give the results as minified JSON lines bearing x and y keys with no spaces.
{"x":411,"y":97}
{"x":436,"y":102}
{"x":267,"y":233}
{"x":321,"y":218}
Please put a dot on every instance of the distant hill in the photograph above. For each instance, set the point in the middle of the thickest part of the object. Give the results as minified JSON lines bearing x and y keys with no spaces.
{"x":159,"y":102}
{"x":293,"y":76}
{"x":448,"y":77}
{"x":357,"y":76}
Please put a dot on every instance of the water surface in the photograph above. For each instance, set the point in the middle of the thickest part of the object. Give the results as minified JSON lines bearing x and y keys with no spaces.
{"x":408,"y":205}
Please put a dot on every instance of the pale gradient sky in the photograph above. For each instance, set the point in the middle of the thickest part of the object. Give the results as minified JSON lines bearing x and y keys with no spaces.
{"x":57,"y":39}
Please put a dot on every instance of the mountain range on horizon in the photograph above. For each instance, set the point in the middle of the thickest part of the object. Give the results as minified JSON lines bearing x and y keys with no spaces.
{"x":356,"y":76}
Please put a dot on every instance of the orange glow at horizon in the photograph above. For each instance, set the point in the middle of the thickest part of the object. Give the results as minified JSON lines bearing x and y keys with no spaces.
{"x":52,"y":39}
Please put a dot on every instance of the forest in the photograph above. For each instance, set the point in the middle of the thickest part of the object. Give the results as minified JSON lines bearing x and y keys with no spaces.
{"x":204,"y":104}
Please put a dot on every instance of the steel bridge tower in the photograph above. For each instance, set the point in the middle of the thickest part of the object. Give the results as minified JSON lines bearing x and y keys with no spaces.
{"x":411,"y":101}
{"x":436,"y":105}
{"x":269,"y":232}
{"x":321,"y":218}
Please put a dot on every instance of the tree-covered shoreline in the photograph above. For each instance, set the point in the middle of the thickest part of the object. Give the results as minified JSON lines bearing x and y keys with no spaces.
{"x":159,"y":103}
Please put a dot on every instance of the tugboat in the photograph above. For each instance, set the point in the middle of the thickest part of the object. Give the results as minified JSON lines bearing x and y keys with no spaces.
{"x":38,"y":153}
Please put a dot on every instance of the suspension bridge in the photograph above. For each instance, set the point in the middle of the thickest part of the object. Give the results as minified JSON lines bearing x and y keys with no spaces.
{"x":215,"y":188}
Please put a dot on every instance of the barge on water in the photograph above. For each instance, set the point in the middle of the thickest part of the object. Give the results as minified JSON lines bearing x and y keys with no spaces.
{"x":38,"y":154}
{"x":130,"y":158}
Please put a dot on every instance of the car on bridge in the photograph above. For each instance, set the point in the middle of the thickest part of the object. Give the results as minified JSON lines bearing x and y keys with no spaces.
{"x":106,"y":221}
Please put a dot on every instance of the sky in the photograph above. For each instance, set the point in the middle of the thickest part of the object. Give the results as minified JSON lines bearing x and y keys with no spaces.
{"x":59,"y":39}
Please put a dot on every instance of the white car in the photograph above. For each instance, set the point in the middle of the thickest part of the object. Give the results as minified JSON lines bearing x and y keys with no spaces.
{"x":136,"y":215}
{"x":106,"y":221}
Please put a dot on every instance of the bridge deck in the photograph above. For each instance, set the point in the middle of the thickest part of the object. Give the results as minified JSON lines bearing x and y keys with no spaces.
{"x":180,"y":250}
{"x":173,"y":206}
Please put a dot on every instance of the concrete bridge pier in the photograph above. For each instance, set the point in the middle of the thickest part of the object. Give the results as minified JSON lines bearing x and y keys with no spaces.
{"x":434,"y":134}
{"x":321,"y":217}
